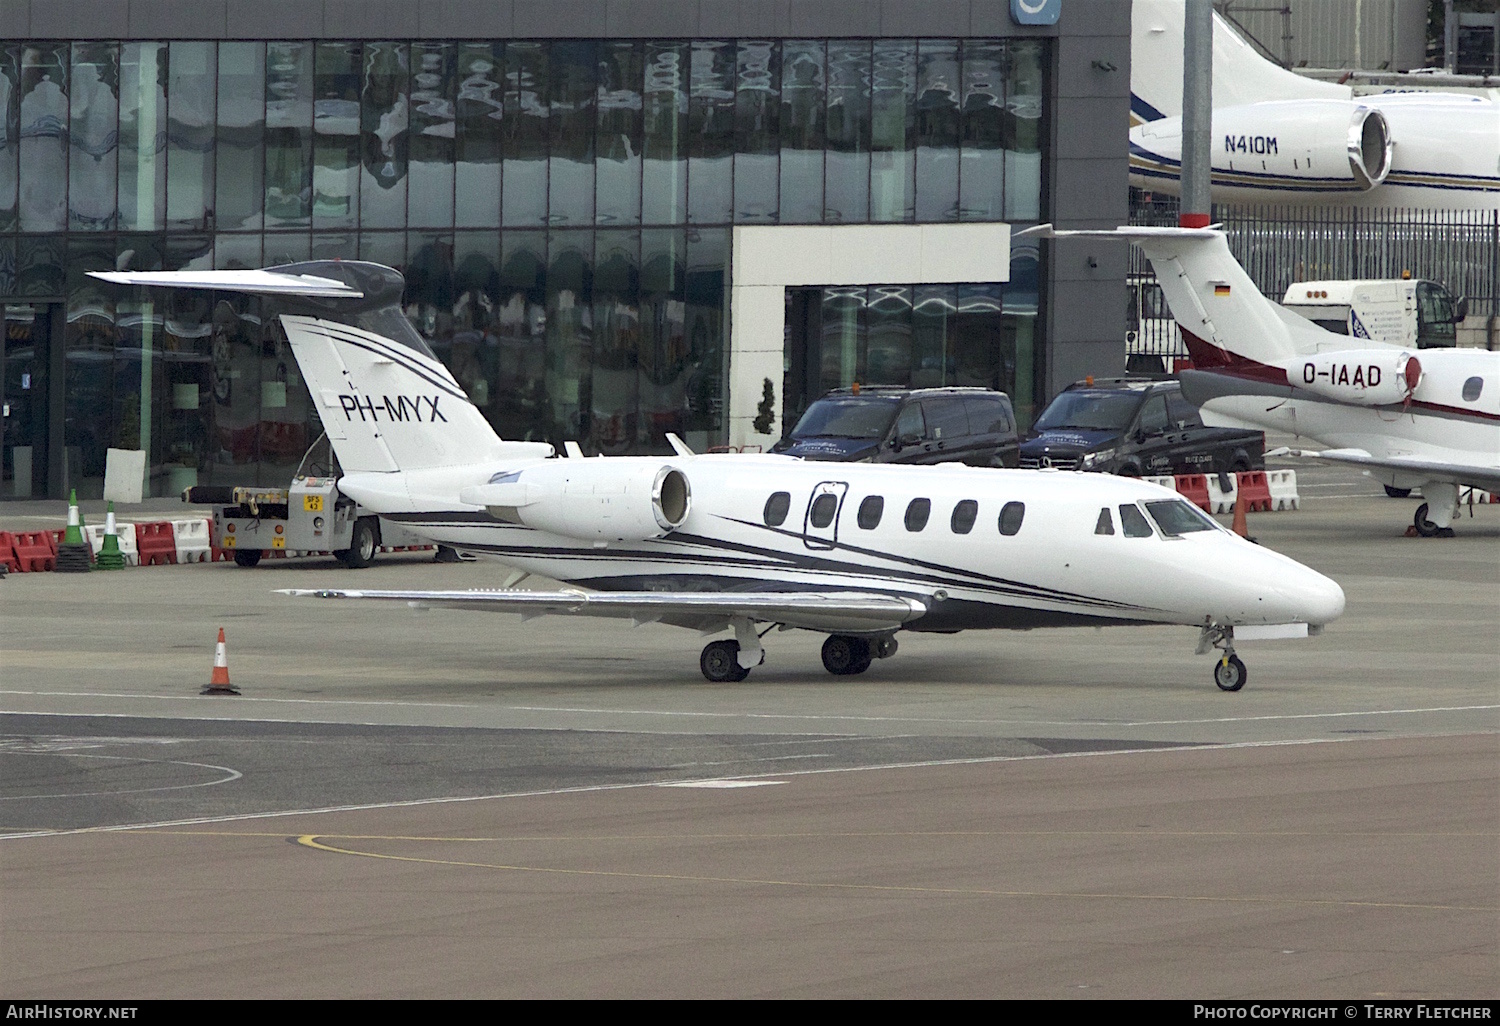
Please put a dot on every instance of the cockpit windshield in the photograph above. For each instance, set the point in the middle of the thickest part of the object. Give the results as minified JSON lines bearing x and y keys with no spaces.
{"x":1176,"y":517}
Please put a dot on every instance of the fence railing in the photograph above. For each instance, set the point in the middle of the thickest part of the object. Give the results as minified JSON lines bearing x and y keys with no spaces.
{"x":1280,"y":245}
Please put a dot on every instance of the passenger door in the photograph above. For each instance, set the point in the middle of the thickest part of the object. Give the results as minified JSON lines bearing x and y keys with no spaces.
{"x":992,"y":432}
{"x":820,"y":524}
{"x":1154,"y":444}
{"x":947,"y":430}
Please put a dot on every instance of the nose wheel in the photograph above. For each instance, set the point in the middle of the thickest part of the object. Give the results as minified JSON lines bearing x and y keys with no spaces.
{"x":1229,"y":673}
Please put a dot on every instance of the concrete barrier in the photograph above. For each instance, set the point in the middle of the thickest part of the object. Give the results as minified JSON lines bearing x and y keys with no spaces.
{"x":126,"y":535}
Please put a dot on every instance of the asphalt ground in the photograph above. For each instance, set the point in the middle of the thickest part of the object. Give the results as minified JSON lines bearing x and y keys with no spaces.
{"x":410,"y":804}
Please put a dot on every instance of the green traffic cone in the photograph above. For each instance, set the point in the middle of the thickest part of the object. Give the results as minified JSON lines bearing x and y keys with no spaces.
{"x":110,"y":557}
{"x":74,"y":534}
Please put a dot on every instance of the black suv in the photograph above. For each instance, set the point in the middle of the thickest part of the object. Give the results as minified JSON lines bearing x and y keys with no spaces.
{"x":882,"y":424}
{"x":1138,"y":427}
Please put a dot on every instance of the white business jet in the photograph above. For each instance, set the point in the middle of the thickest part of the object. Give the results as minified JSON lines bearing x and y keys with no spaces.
{"x":1279,"y":137}
{"x":1428,"y":419}
{"x":747,"y":543}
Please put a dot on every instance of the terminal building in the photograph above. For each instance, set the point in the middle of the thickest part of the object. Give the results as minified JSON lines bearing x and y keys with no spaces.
{"x":616,"y":218}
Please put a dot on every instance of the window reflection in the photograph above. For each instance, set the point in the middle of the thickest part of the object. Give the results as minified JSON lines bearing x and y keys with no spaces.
{"x":239,"y":185}
{"x":430,"y":171}
{"x":664,"y":148}
{"x":757,"y":113}
{"x":92,"y":135}
{"x":383,"y":117}
{"x":478,"y":114}
{"x":847,"y":188}
{"x":143,"y":127}
{"x":804,"y":119}
{"x":190,"y":135}
{"x":711,"y":116}
{"x":335,"y":202}
{"x":10,"y":132}
{"x":524,"y":188}
{"x":893,"y":130}
{"x":617,"y":162}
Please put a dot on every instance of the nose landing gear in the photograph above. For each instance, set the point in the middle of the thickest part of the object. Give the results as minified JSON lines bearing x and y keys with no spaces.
{"x":1229,"y":672}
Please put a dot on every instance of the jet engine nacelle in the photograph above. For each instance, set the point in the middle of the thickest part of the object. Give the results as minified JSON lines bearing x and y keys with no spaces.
{"x":610,"y":499}
{"x":1365,"y":377}
{"x":1322,"y":143}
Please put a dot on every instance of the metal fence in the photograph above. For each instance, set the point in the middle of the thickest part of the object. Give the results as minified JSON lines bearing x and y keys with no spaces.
{"x":1280,"y":245}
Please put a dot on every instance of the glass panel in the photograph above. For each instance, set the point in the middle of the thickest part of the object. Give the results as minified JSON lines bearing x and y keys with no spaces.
{"x":917,"y":512}
{"x":237,"y":252}
{"x":475,"y":347}
{"x":707,"y":273}
{"x":10,"y":132}
{"x":184,"y":251}
{"x":893,"y":96}
{"x":232,"y":446}
{"x":848,"y":171}
{"x":519,"y":405}
{"x":7,"y":266}
{"x":430,"y":197}
{"x":239,"y":187}
{"x":93,"y":134}
{"x":288,"y":423}
{"x":383,"y":136}
{"x":976,"y":336}
{"x":44,"y":137}
{"x":711,"y":126}
{"x":143,"y":136}
{"x":1023,"y":132}
{"x":870,"y":511}
{"x":179,"y":374}
{"x":289,"y":122}
{"x":757,"y":135}
{"x":287,"y":247}
{"x":1131,"y":519}
{"x":964,"y":515}
{"x":933,"y":308}
{"x":843,"y":336}
{"x":569,"y":333}
{"x":575,"y":69}
{"x":133,"y":365}
{"x":665,"y":125}
{"x":620,"y":410}
{"x":1106,"y":523}
{"x":1014,"y":513}
{"x":982,"y":175}
{"x":937,"y":130}
{"x":39,"y":265}
{"x":525,"y":126}
{"x":89,"y":373}
{"x":889,"y":360}
{"x":334,"y":246}
{"x":1021,"y":343}
{"x":663,"y":353}
{"x":388,"y":248}
{"x":823,"y":509}
{"x":804,"y":117}
{"x":478,"y":123}
{"x":429,"y":287}
{"x":618,"y":160}
{"x":190,"y":135}
{"x":335,"y":182}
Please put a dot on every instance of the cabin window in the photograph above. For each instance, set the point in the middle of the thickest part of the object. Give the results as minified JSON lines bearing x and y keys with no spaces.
{"x":917,"y":514}
{"x":1134,"y":522}
{"x":823,"y":509}
{"x":1177,"y":517}
{"x":1011,"y":516}
{"x":1472,"y":388}
{"x":1106,"y":523}
{"x":777,"y":507}
{"x":964,"y":515}
{"x":870,"y":511}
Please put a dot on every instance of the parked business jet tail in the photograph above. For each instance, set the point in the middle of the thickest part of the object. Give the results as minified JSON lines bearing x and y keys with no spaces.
{"x":1428,"y":419}
{"x":744,"y":543}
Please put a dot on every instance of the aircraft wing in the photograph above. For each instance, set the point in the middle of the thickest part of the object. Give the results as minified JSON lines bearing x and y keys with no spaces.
{"x":1484,"y":478}
{"x":823,"y":611}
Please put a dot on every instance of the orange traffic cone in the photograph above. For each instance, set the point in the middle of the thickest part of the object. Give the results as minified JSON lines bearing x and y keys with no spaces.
{"x":1239,"y":526}
{"x":219,"y":684}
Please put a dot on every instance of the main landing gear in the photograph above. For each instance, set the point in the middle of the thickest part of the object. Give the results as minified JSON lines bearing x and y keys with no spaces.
{"x":843,"y":655}
{"x":1229,"y":672}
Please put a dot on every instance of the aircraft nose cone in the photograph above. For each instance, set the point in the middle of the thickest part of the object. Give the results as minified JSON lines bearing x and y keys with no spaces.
{"x":1314,"y":598}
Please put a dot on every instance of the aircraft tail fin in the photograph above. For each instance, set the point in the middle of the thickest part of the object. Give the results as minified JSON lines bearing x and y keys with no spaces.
{"x":1225,"y":321}
{"x":387,"y":403}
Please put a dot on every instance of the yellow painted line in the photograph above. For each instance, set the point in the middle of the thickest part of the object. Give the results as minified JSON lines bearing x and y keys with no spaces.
{"x":311,"y":841}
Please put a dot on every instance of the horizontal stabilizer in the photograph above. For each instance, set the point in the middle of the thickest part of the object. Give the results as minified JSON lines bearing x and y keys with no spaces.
{"x":261,"y":282}
{"x":1125,"y":233}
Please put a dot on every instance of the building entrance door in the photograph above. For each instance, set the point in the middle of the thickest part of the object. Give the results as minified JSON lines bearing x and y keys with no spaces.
{"x":27,"y":399}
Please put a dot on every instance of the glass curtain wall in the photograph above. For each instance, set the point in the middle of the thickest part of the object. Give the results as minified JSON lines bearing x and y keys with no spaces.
{"x":562,"y":210}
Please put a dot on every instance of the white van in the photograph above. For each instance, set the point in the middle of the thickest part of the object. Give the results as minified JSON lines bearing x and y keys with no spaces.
{"x":1402,"y":311}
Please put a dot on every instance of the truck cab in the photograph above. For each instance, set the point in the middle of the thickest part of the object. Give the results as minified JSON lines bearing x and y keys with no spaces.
{"x":1409,"y":312}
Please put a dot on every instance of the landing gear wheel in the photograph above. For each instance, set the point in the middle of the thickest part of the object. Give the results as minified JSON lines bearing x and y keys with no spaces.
{"x":883,"y":648}
{"x":1426,"y":528}
{"x":362,"y":545}
{"x":1230,"y":674}
{"x":1397,"y":493}
{"x":246,"y":557}
{"x":844,"y":654}
{"x":720,"y":662}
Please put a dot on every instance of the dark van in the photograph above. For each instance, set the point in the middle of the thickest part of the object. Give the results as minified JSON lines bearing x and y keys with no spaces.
{"x":878,"y":424}
{"x":1137,"y":427}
